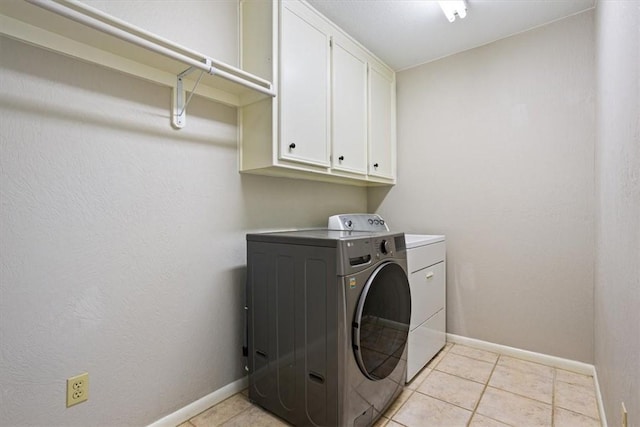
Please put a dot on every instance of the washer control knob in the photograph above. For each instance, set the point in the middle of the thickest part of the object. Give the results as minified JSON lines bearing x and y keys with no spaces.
{"x":370,"y":221}
{"x":385,"y":247}
{"x":349,"y":224}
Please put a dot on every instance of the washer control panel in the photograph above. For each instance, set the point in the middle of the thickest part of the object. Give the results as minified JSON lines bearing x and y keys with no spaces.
{"x":357,"y":222}
{"x":362,"y":252}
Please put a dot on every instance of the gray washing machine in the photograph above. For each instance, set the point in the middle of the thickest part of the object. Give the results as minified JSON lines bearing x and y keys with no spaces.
{"x":328,"y":320}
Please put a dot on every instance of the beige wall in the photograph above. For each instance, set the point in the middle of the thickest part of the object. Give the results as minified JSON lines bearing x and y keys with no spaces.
{"x":495,"y":150}
{"x":122,"y":240}
{"x":617,"y":284}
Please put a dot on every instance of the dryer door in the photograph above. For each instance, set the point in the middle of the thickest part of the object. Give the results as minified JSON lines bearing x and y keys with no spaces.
{"x":381,"y":324}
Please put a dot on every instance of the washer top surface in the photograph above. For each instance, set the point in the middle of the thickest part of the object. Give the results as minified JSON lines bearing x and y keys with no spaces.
{"x":417,"y":240}
{"x":318,"y":237}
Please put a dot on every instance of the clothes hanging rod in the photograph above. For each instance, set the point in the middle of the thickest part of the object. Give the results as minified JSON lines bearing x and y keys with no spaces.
{"x":105,"y":17}
{"x":118,"y":28}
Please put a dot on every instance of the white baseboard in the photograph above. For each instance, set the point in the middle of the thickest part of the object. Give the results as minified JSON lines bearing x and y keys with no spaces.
{"x":531,"y":356}
{"x":603,"y":416}
{"x":200,"y":405}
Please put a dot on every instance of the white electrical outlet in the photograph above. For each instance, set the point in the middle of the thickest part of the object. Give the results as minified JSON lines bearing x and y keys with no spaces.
{"x":77,"y":389}
{"x":624,"y":415}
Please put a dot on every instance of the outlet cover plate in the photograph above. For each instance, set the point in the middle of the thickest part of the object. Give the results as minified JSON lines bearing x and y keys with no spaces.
{"x":77,"y":389}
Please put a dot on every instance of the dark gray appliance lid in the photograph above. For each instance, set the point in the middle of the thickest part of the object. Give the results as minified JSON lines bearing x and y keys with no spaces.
{"x":315,"y":237}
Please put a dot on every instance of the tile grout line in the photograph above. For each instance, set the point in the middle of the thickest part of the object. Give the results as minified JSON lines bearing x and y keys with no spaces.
{"x":444,"y":351}
{"x":579,"y":413}
{"x":518,"y":394}
{"x":582,"y":386}
{"x":399,"y":407}
{"x":235,"y":416}
{"x":486,"y":384}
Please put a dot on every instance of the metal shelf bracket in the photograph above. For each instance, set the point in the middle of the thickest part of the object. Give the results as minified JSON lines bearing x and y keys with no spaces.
{"x":180,"y":101}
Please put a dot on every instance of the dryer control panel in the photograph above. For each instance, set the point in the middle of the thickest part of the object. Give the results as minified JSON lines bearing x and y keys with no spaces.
{"x":357,"y":222}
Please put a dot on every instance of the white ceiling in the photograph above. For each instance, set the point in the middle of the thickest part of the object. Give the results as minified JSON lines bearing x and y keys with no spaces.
{"x":406,"y":33}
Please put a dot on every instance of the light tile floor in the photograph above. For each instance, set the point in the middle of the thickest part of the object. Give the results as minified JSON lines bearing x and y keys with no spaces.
{"x":461,"y":386}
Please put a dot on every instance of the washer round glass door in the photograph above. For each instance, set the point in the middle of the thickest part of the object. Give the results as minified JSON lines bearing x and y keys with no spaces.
{"x":381,"y":324}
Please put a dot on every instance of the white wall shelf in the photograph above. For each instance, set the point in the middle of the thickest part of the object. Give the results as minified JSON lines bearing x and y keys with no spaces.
{"x":83,"y":32}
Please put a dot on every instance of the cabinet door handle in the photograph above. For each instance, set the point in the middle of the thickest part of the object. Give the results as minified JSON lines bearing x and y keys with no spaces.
{"x":429,"y":275}
{"x":341,"y":158}
{"x":292,"y":146}
{"x":375,"y":165}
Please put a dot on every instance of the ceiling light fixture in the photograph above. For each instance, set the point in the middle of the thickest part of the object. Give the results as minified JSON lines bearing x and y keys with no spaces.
{"x":453,"y":8}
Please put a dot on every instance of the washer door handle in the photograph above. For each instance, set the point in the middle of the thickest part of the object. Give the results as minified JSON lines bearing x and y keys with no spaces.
{"x":430,"y":275}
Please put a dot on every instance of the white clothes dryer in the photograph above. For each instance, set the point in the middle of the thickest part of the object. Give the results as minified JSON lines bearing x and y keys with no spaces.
{"x":426,"y":263}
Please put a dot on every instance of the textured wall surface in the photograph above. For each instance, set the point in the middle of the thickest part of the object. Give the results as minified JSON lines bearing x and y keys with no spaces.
{"x":495,"y":150}
{"x":617,"y":285}
{"x":122,"y":240}
{"x":204,"y":26}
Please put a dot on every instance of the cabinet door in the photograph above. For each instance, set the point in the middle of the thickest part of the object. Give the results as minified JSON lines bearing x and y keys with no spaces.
{"x":381,"y":124}
{"x":349,"y":109}
{"x":304,"y":87}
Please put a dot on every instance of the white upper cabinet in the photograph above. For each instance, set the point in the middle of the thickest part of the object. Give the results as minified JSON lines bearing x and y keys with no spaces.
{"x":304,"y":93}
{"x":332,"y":97}
{"x":381,"y":123}
{"x":349,"y":109}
